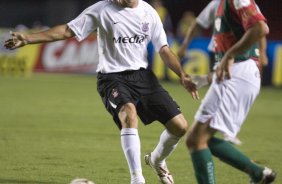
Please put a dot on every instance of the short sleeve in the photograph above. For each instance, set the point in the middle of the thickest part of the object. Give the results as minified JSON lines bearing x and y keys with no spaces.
{"x":159,"y":38}
{"x":247,"y":12}
{"x":206,"y":18}
{"x":86,"y":22}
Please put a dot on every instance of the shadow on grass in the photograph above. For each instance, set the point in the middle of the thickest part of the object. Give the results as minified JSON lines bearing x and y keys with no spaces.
{"x":13,"y":181}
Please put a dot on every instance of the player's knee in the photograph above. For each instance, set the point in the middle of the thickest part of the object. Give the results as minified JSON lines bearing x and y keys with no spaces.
{"x":196,"y":141}
{"x":178,"y":125}
{"x":128,"y":116}
{"x":182,"y":129}
{"x":191,"y":142}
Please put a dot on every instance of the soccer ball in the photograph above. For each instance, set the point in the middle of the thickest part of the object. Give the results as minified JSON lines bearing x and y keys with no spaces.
{"x":81,"y":181}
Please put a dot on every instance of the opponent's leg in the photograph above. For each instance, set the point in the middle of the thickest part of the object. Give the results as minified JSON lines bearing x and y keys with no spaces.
{"x":197,"y":143}
{"x":130,"y":142}
{"x":230,"y":155}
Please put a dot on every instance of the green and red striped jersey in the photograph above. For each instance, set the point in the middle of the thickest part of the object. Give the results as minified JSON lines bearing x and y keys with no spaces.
{"x":233,"y":18}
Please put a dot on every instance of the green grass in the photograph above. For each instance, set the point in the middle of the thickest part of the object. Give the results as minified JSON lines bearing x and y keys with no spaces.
{"x":54,"y":128}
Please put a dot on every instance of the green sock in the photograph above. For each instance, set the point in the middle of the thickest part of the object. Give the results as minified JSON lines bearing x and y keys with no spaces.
{"x":203,"y":166}
{"x":230,"y":155}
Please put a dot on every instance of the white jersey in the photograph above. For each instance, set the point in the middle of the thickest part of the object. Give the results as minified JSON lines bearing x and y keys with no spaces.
{"x":123,"y":34}
{"x":206,"y":18}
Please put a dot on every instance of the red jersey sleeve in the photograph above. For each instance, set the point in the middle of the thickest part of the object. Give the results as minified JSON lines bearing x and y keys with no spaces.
{"x":247,"y":12}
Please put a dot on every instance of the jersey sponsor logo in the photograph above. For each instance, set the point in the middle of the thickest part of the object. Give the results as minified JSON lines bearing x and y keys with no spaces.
{"x":241,"y":3}
{"x":133,"y":39}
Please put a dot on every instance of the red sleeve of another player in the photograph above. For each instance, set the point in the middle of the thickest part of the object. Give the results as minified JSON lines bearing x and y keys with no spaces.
{"x":247,"y":12}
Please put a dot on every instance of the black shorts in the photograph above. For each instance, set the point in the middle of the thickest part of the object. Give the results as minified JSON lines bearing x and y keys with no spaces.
{"x":140,"y":87}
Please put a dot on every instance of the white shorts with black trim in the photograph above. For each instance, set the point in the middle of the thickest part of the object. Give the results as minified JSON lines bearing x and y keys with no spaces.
{"x":227,"y":104}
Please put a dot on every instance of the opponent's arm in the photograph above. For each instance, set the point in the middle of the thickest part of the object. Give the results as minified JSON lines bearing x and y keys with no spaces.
{"x":56,"y":33}
{"x":262,"y":51}
{"x":171,"y":60}
{"x":251,"y":36}
{"x":192,"y":31}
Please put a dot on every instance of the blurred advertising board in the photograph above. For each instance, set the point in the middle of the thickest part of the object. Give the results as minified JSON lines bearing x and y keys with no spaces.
{"x":71,"y":56}
{"x":17,"y":62}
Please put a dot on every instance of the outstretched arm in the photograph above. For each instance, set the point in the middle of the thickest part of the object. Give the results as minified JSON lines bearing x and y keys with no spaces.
{"x":171,"y":60}
{"x":56,"y":33}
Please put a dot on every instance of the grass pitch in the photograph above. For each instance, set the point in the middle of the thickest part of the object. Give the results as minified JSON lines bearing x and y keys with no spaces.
{"x":54,"y":128}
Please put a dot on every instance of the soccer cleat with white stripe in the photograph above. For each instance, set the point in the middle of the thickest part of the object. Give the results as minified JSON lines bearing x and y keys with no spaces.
{"x":268,"y":176}
{"x":163,"y":173}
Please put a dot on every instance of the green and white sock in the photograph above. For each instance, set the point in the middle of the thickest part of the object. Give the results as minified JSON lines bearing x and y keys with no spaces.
{"x":230,"y":155}
{"x":203,"y":166}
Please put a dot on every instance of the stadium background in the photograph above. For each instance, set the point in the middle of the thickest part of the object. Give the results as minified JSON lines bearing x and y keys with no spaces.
{"x":54,"y":128}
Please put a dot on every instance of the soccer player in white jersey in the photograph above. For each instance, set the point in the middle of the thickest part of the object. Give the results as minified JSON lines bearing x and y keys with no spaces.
{"x":126,"y":86}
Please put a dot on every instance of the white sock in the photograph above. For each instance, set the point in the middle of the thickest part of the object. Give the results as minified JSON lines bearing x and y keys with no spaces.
{"x":130,"y":143}
{"x":166,"y":146}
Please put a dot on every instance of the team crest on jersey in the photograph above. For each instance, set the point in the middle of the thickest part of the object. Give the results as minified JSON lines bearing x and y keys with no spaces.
{"x":145,"y":27}
{"x":217,"y":24}
{"x":257,"y":52}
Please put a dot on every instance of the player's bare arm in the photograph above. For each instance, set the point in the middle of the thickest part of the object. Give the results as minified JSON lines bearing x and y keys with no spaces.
{"x":173,"y":63}
{"x":251,"y":36}
{"x":56,"y":33}
{"x":262,"y":51}
{"x":188,"y":38}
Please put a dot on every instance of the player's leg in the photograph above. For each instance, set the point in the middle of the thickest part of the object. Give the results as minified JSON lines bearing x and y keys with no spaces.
{"x":175,"y":129}
{"x":232,"y":156}
{"x":197,"y":143}
{"x":225,"y":107}
{"x":161,"y":107}
{"x":202,"y":145}
{"x":130,"y":141}
{"x":118,"y":101}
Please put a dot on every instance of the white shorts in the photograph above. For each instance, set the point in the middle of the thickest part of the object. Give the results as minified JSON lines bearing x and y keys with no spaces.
{"x":227,"y":104}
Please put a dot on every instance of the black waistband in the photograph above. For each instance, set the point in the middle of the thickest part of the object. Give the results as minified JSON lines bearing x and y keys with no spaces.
{"x":123,"y":72}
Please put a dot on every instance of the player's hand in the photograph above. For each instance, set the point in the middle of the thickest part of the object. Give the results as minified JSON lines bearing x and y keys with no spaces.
{"x":187,"y":83}
{"x":223,"y":69}
{"x":17,"y":40}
